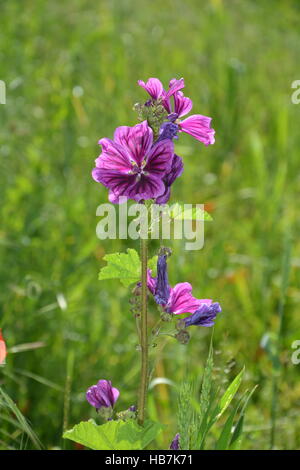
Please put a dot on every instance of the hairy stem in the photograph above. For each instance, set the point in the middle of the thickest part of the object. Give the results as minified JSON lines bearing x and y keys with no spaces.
{"x":144,"y":335}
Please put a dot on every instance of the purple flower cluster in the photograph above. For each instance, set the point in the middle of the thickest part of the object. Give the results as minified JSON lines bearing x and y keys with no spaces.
{"x":179,"y":299}
{"x":140,"y":165}
{"x":196,"y":125}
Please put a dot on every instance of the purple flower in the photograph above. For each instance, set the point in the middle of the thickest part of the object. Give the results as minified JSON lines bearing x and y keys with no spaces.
{"x":131,"y":165}
{"x":175,"y":443}
{"x":102,"y":395}
{"x":179,"y":300}
{"x":162,"y":288}
{"x":204,"y":316}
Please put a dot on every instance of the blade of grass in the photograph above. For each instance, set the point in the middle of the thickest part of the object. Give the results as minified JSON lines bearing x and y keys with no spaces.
{"x":21,"y":419}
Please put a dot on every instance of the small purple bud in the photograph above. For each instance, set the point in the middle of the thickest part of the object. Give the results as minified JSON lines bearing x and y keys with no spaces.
{"x":162,"y":289}
{"x":168,"y":130}
{"x":175,"y":443}
{"x":132,"y":408}
{"x":183,"y":337}
{"x":102,"y":395}
{"x":204,"y":316}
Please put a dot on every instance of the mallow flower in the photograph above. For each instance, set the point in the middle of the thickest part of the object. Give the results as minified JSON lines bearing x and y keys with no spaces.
{"x":131,"y":165}
{"x":102,"y":395}
{"x":174,"y":300}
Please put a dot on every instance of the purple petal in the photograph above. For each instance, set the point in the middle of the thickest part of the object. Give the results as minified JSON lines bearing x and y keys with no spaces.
{"x":204,"y":315}
{"x":174,"y":86}
{"x":113,"y":156}
{"x":182,"y":301}
{"x":137,"y":140}
{"x":199,"y":127}
{"x":118,"y":183}
{"x":103,"y":394}
{"x":106,"y":393}
{"x":182,"y":104}
{"x":145,"y":187}
{"x":175,"y":170}
{"x":160,"y":158}
{"x":153,"y":87}
{"x":151,"y":282}
{"x":114,"y":198}
{"x":92,"y":397}
{"x":166,"y":102}
{"x":115,"y":394}
{"x":163,"y":199}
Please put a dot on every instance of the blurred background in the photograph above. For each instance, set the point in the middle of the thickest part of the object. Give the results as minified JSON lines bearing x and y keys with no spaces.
{"x":71,"y":70}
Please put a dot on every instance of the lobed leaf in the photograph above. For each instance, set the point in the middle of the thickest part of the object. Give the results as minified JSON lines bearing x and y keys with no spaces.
{"x":114,"y":435}
{"x":123,"y":266}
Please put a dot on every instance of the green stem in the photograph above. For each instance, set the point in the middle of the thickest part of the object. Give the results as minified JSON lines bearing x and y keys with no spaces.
{"x":144,"y":335}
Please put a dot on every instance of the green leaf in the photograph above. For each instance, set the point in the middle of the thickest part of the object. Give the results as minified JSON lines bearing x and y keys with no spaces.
{"x":237,"y":434}
{"x":205,"y":398}
{"x":226,"y":434}
{"x":114,"y":435}
{"x":227,"y":397}
{"x":123,"y":266}
{"x":179,"y":212}
{"x":21,"y":422}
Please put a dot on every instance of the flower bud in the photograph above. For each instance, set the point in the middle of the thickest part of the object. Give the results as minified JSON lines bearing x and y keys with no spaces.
{"x":183,"y":337}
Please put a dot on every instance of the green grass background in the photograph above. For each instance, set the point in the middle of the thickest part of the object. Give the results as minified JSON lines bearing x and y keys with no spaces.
{"x":238,"y":59}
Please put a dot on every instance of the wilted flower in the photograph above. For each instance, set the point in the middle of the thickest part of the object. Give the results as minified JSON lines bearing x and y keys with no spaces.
{"x":102,"y":395}
{"x":162,"y":288}
{"x":204,"y":315}
{"x":131,"y":165}
{"x":175,"y":443}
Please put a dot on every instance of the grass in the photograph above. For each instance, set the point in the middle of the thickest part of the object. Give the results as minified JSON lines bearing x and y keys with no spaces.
{"x":71,"y":69}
